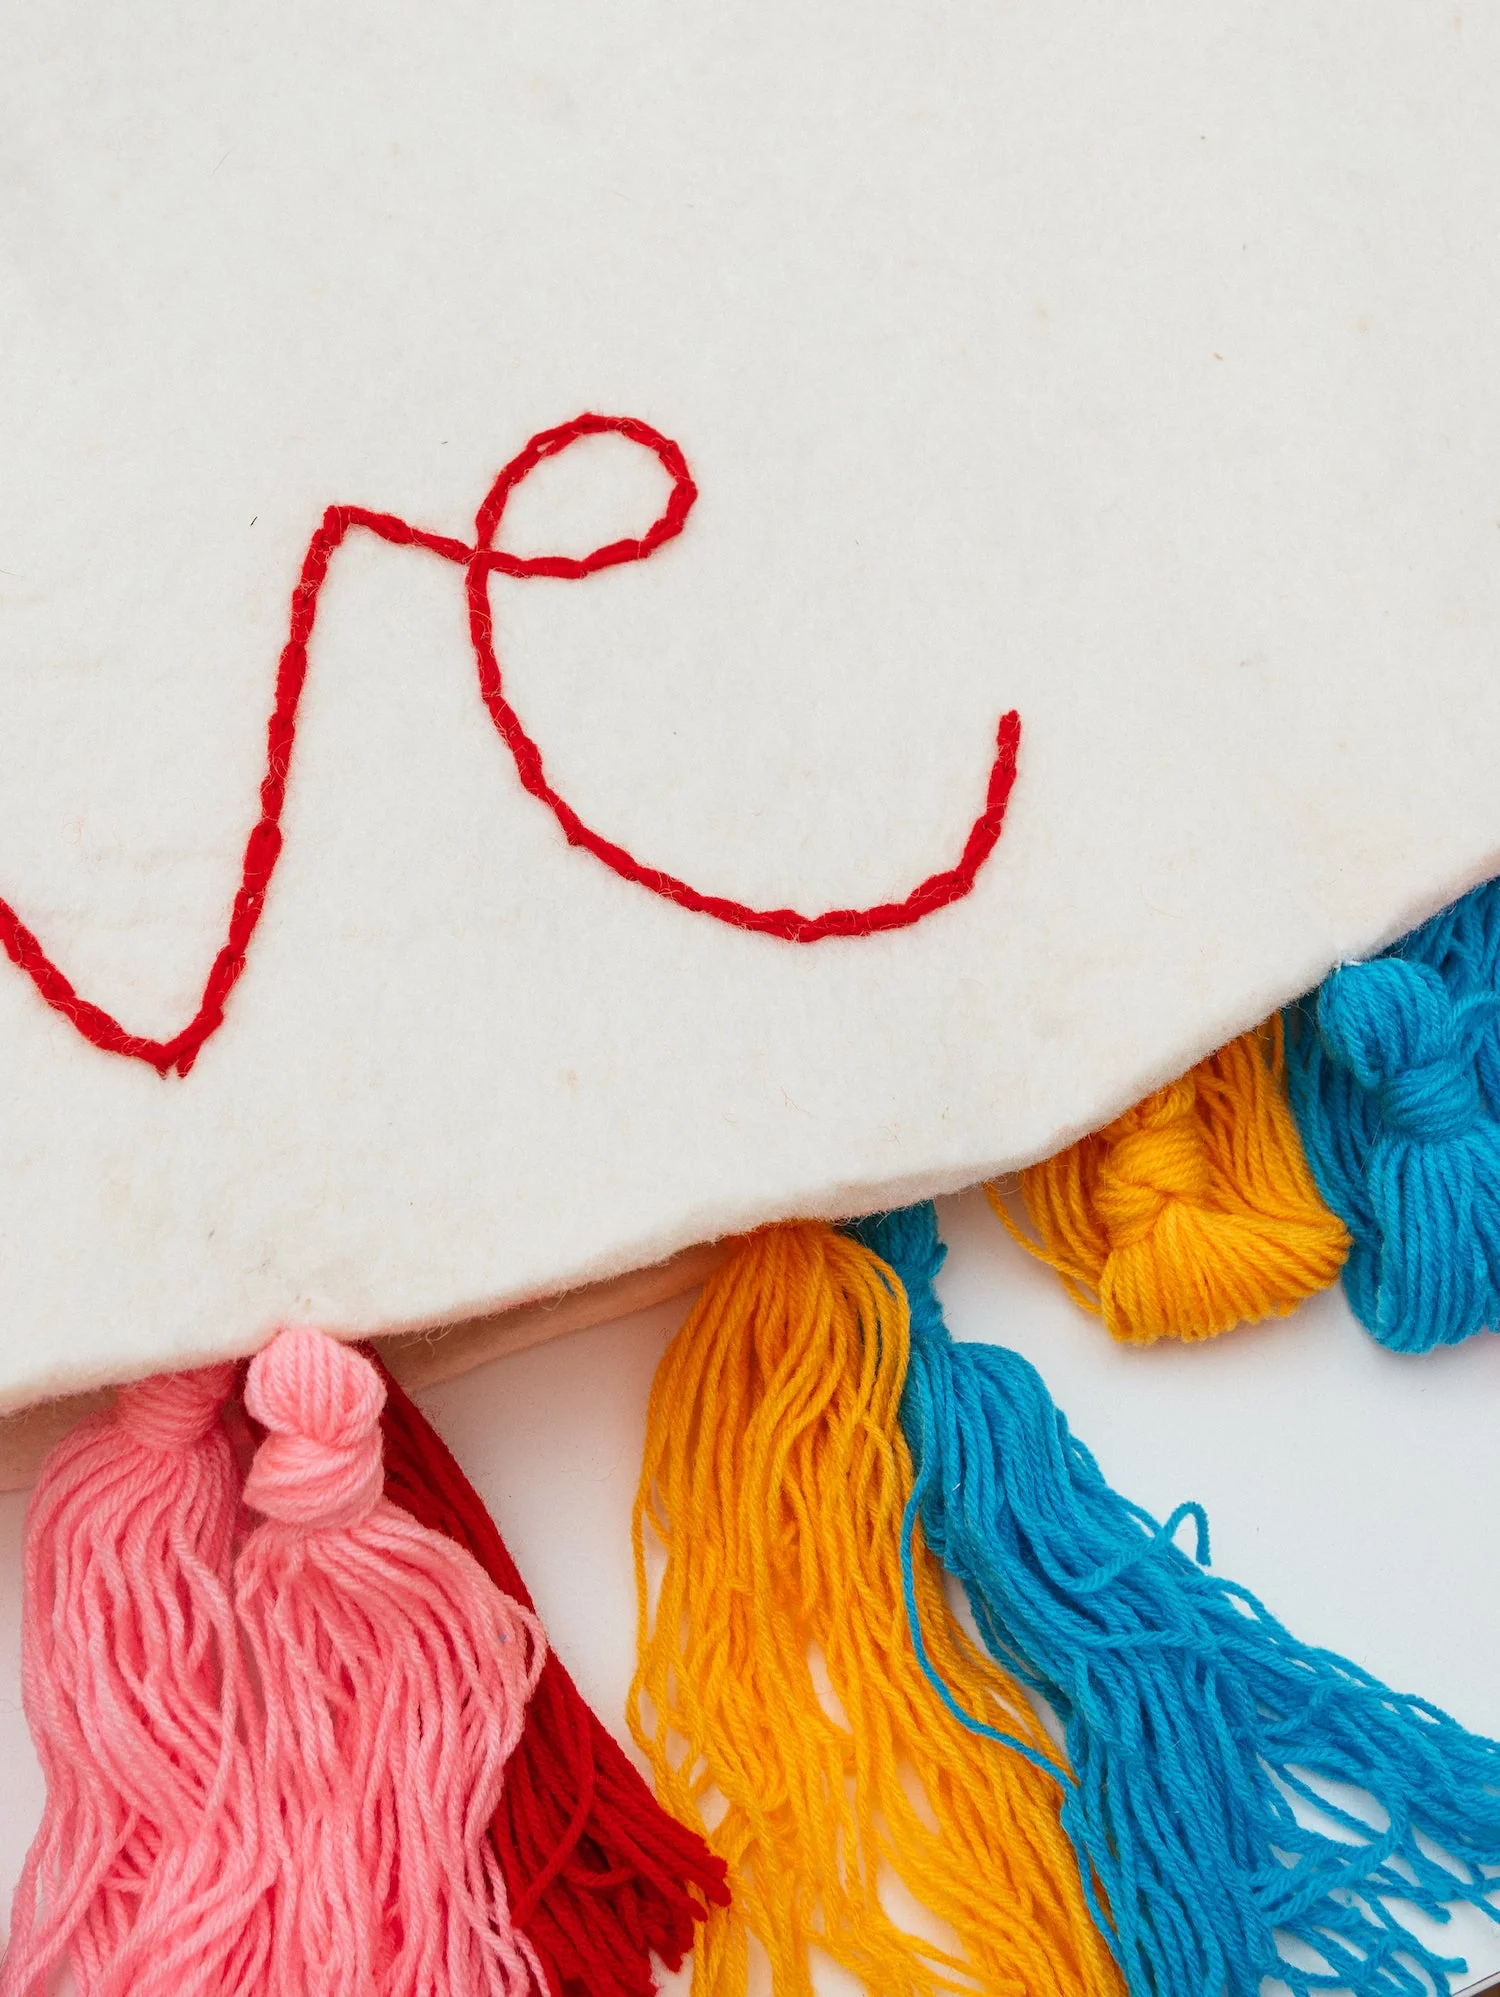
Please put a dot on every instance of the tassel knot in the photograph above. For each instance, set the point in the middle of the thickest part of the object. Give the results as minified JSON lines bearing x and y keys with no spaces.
{"x":1393,"y":1085}
{"x":1155,"y":1156}
{"x":1394,"y":1026}
{"x":320,"y":1464}
{"x":175,"y":1412}
{"x":1433,"y":1102}
{"x":1191,"y":1212}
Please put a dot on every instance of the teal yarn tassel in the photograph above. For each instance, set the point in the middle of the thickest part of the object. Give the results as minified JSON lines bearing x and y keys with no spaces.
{"x":1193,"y":1719}
{"x":1393,"y":1068}
{"x":1461,"y":943}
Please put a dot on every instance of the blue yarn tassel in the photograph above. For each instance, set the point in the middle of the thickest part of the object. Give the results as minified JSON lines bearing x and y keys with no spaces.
{"x":1393,"y":1068}
{"x":1461,"y":943}
{"x":1192,"y":1717}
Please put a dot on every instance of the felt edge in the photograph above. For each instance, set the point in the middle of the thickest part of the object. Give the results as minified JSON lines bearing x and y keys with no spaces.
{"x":418,"y":1359}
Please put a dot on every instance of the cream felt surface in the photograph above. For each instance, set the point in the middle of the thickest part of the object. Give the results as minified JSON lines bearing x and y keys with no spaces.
{"x":1133,"y":371}
{"x":1342,"y":1483}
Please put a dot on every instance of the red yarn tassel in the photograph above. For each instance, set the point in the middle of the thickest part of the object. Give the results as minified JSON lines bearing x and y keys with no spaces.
{"x":600,"y":1876}
{"x":394,"y":1679}
{"x":146,"y":1872}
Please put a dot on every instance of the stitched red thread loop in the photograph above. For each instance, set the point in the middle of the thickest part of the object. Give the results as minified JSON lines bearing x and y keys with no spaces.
{"x":263,"y":846}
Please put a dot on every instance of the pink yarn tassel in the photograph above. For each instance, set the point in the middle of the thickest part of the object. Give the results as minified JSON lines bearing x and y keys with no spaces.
{"x":394,"y":1679}
{"x":146,"y":1872}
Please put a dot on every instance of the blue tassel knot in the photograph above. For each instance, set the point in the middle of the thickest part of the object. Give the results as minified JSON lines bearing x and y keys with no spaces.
{"x":1395,"y":1084}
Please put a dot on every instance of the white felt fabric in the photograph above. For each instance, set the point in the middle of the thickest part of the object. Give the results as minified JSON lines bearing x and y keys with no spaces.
{"x":1131,"y":368}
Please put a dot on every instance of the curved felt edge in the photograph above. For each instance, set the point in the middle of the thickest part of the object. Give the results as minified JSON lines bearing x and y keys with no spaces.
{"x":417,"y":1359}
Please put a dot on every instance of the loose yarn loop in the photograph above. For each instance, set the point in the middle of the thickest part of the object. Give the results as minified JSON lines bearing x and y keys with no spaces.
{"x":599,"y":1877}
{"x":1395,"y":1082}
{"x":394,"y":1678}
{"x":1194,"y":1720}
{"x":147,"y":1871}
{"x":1193,"y":1212}
{"x":774,"y":1479}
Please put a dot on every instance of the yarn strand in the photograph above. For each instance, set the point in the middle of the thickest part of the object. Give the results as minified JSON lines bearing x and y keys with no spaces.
{"x":599,"y":1876}
{"x":148,"y":1871}
{"x":1194,"y":1720}
{"x":775,"y":1482}
{"x":394,"y":1679}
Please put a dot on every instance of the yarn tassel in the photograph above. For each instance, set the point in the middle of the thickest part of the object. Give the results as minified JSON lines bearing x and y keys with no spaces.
{"x":600,"y":1878}
{"x":394,"y":1679}
{"x":1461,"y":943}
{"x":775,"y":1478}
{"x":1194,"y":1720}
{"x":147,"y":1872}
{"x":1395,"y":1082}
{"x":1193,"y":1212}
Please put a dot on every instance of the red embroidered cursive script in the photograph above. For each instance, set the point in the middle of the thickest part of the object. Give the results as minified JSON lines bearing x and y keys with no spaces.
{"x":480,"y":562}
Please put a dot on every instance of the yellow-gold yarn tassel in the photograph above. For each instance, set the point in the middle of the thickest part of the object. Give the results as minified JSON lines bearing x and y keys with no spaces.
{"x":1194,"y":1211}
{"x":775,"y":1480}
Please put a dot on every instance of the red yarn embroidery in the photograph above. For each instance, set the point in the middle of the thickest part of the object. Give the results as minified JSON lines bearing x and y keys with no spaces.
{"x":263,"y":847}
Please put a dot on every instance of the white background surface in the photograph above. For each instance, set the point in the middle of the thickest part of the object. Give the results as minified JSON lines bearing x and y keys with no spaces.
{"x":1354,"y":1490}
{"x":1131,"y":367}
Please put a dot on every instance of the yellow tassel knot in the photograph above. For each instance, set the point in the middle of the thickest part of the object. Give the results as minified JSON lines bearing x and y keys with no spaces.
{"x":1194,"y":1211}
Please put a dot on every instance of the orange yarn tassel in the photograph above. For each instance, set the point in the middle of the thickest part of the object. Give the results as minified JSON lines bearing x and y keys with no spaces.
{"x":1194,"y":1211}
{"x":775,"y":1480}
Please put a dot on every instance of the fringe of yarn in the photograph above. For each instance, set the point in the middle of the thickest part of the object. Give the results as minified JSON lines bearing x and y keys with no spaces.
{"x":1194,"y":1720}
{"x":1394,"y":1071}
{"x":775,"y":1479}
{"x":394,"y":1679}
{"x":1193,"y":1212}
{"x":147,"y":1871}
{"x":600,"y":1877}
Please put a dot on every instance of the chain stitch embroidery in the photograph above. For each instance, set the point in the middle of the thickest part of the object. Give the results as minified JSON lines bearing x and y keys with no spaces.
{"x":263,"y":847}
